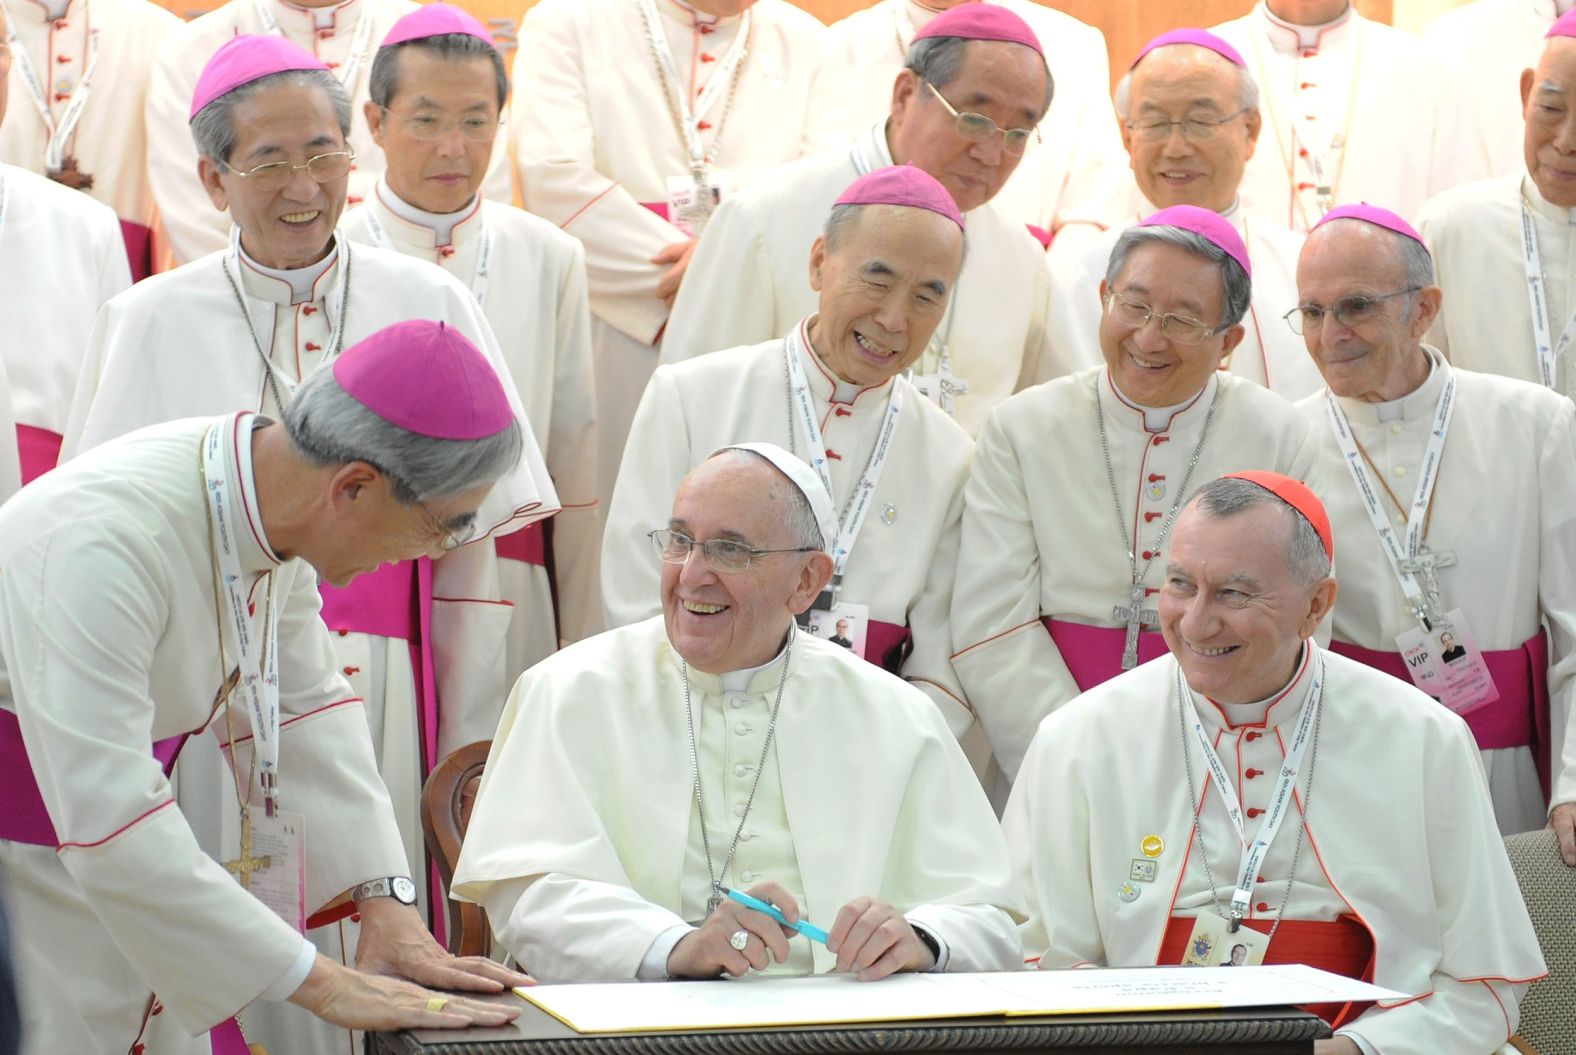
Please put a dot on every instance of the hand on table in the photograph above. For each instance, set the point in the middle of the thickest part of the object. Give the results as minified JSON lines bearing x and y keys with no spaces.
{"x":357,"y":1000}
{"x":872,"y":940}
{"x":393,"y":941}
{"x":706,"y":952}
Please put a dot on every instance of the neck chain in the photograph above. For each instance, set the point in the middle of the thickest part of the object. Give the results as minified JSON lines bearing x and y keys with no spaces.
{"x":793,"y":439}
{"x":710,"y":156}
{"x":714,"y":877}
{"x":336,"y":344}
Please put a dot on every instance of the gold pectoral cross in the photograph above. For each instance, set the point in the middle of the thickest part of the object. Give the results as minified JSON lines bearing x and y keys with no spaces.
{"x":243,"y":867}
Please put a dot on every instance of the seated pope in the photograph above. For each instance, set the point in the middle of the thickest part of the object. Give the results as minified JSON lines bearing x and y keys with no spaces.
{"x":642,"y":779}
{"x":1146,"y":824}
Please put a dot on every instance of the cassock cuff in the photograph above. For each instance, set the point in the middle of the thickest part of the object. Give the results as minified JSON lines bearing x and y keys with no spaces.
{"x":943,"y":954}
{"x":654,"y":965}
{"x":1368,"y":1049}
{"x":286,"y":984}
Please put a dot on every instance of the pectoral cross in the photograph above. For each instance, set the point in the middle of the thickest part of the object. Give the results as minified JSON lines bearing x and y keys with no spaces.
{"x":243,"y":867}
{"x":1426,"y":566}
{"x":1135,"y":615}
{"x":71,"y":176}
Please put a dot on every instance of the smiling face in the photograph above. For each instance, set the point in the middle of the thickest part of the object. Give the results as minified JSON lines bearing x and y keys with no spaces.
{"x":1548,"y":97}
{"x":1182,"y":82}
{"x":883,"y":289}
{"x":1232,"y":612}
{"x":293,"y":226}
{"x":439,"y":175}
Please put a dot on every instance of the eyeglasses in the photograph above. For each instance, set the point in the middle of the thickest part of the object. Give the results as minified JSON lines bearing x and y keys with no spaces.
{"x":977,"y":128}
{"x":276,"y":175}
{"x":1194,"y":129}
{"x":428,"y":127}
{"x":1182,"y":329}
{"x":453,"y":536}
{"x":1350,"y":312}
{"x":722,"y":554}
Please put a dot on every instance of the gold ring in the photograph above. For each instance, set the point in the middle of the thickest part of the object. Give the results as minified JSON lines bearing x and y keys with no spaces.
{"x":437,"y":1003}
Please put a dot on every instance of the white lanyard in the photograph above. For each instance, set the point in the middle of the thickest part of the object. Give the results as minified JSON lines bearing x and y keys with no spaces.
{"x":1254,"y":851}
{"x":260,"y":685}
{"x":381,"y":239}
{"x":1549,"y":352}
{"x":358,"y":43}
{"x":810,"y":430}
{"x":1428,"y":475}
{"x":689,"y":118}
{"x":37,"y":90}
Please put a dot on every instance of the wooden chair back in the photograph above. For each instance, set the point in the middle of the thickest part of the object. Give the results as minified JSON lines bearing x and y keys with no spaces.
{"x":446,"y":802}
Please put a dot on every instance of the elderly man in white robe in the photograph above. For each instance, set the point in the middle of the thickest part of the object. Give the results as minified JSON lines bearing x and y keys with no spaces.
{"x":438,"y":88}
{"x":81,"y":68}
{"x":1506,"y":247}
{"x":343,"y":34}
{"x":1354,"y":110}
{"x":134,"y":583}
{"x":1061,"y":556}
{"x":1066,"y":173}
{"x":1367,"y":845}
{"x":1190,"y":122}
{"x":640,"y":777}
{"x":746,"y":283}
{"x":709,"y":96}
{"x":1454,"y":494}
{"x":832,"y":390}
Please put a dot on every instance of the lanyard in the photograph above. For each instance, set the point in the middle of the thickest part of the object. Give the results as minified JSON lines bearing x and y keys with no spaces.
{"x":1549,"y":351}
{"x":809,"y":428}
{"x":1417,"y":517}
{"x":381,"y":239}
{"x":349,"y":73}
{"x":59,"y":134}
{"x":1253,"y":851}
{"x":258,"y":663}
{"x":716,"y":84}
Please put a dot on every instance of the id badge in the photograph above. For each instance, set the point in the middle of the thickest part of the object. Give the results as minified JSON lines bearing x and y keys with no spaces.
{"x":844,"y":624}
{"x":1212,"y":944}
{"x":690,"y":204}
{"x":1459,"y":677}
{"x":281,"y":884}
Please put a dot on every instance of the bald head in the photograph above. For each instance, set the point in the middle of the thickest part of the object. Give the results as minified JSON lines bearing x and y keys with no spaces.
{"x":1548,"y":96}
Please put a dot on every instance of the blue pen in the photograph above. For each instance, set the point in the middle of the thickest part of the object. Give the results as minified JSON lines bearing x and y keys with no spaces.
{"x":809,"y":930}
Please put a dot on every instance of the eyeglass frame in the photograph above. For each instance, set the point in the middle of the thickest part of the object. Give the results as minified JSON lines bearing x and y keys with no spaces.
{"x":497,"y":122}
{"x":959,"y":115}
{"x":349,"y":153}
{"x":1297,"y":313}
{"x":1165,"y":318}
{"x":711,"y":561}
{"x":1214,"y":126}
{"x":452,"y":539}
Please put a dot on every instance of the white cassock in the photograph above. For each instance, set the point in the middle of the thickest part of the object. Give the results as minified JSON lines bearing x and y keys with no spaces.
{"x":1399,"y":854}
{"x":596,"y":143}
{"x":585,"y":845}
{"x":176,"y":345}
{"x":344,"y":36}
{"x":10,"y":462}
{"x":1064,"y":178}
{"x":61,"y":259}
{"x":1369,"y":104}
{"x":900,"y":565}
{"x":106,"y":136}
{"x":1488,"y":43}
{"x":1485,"y":323}
{"x":533,"y":293}
{"x":1269,"y":354}
{"x":749,"y":282}
{"x":1505,"y":506}
{"x":1041,"y":563}
{"x":108,"y":627}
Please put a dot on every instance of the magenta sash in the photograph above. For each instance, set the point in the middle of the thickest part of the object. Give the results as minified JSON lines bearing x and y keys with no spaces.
{"x":1093,"y":654}
{"x":886,"y":645}
{"x":658,"y":207}
{"x":38,"y":450}
{"x":1039,"y":234}
{"x":528,"y":545}
{"x":139,"y":249}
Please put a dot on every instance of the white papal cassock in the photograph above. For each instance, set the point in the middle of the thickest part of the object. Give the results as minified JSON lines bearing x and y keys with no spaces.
{"x":749,"y":281}
{"x":1368,"y":102}
{"x":1041,"y":563}
{"x":1505,"y":505}
{"x":532,"y":287}
{"x":1270,"y":353}
{"x":1487,"y":44}
{"x":61,"y":258}
{"x":585,"y":845}
{"x":901,"y":563}
{"x":596,"y":143}
{"x":1400,"y":855}
{"x":1063,"y":179}
{"x":344,"y":36}
{"x":106,"y":138}
{"x":108,"y":629}
{"x":177,"y":345}
{"x":1475,"y":235}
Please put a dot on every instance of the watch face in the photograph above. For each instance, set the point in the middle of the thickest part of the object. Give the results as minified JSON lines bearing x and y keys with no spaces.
{"x":403,"y":890}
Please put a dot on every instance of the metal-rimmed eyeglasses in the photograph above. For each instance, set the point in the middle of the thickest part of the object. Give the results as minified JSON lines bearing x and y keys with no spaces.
{"x":454,"y":536}
{"x":1350,"y":312}
{"x":1183,"y":329}
{"x":722,"y":554}
{"x":321,"y":168}
{"x":429,"y":127}
{"x":1194,"y":129}
{"x":977,"y":128}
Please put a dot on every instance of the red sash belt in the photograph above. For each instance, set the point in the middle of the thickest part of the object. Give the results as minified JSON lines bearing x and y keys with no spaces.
{"x":887,"y":645}
{"x":658,"y":207}
{"x":38,"y":451}
{"x":139,"y":249}
{"x":1093,"y":654}
{"x":1341,"y":946}
{"x":528,"y":545}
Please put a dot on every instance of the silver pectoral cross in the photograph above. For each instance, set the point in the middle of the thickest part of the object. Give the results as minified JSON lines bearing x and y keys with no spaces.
{"x":1136,"y":616}
{"x":1426,"y":566}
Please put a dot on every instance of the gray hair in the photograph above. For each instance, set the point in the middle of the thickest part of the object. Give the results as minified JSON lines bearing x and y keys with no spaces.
{"x":330,"y":428}
{"x":840,"y":223}
{"x":1236,"y":288}
{"x":940,"y":59}
{"x":1247,"y":89}
{"x":1228,"y":496}
{"x":213,"y":129}
{"x":383,"y":82}
{"x":799,"y":517}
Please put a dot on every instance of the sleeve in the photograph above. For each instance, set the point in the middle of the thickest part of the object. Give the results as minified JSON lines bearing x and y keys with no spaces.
{"x":728,"y":297}
{"x":115,"y":269}
{"x":83,"y":431}
{"x":1006,"y":661}
{"x":1557,"y":594}
{"x":1041,"y":358}
{"x":192,"y":225}
{"x":1073,"y":323}
{"x":929,"y":666}
{"x":831,"y":115}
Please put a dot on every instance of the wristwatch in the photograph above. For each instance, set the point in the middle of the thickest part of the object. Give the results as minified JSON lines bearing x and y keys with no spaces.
{"x":399,"y":888}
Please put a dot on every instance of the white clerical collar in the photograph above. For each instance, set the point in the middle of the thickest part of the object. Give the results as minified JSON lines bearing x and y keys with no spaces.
{"x":753,"y":680}
{"x":288,"y":286}
{"x":324,"y":20}
{"x":1551,"y":212}
{"x":1156,"y":419}
{"x":1272,"y":711}
{"x":823,"y":381}
{"x":741,"y":680}
{"x":1288,"y":36}
{"x":441,"y":225}
{"x":43,"y":11}
{"x":256,"y":553}
{"x":1416,"y":405}
{"x":686,"y":15}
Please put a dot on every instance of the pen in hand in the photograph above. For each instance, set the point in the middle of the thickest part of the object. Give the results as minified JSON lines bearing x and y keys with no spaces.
{"x":809,"y":930}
